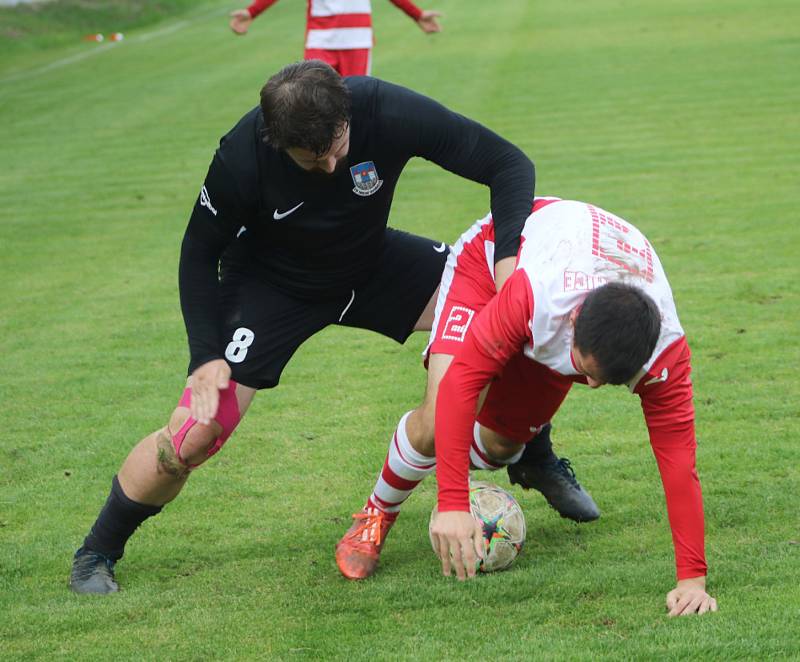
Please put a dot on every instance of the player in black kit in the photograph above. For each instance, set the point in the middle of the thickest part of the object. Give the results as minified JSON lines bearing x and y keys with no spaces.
{"x":289,"y":234}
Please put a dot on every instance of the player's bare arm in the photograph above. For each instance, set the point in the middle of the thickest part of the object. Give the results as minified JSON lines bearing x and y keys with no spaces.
{"x":502,"y":270}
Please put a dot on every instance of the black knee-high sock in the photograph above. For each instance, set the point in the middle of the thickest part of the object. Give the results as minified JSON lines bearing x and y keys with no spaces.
{"x":117,"y":521}
{"x":539,"y":449}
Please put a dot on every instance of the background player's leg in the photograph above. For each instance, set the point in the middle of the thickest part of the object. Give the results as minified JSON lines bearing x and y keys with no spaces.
{"x":151,"y":476}
{"x":329,"y":57}
{"x":354,"y":62}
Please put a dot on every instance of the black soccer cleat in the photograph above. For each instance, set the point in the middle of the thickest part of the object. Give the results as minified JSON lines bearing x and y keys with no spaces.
{"x":92,"y":572}
{"x":555,"y":479}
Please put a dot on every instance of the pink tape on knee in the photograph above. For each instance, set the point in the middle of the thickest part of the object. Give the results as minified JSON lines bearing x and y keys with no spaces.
{"x":228,"y":417}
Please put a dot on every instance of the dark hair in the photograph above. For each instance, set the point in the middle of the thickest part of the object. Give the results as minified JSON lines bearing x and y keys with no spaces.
{"x":618,"y":326}
{"x":305,"y":105}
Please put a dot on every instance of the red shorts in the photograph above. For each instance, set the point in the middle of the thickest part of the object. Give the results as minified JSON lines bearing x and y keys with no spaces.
{"x":527,"y":394}
{"x":351,"y":62}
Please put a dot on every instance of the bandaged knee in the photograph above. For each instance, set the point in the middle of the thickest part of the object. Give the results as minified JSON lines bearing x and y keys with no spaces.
{"x":228,"y":417}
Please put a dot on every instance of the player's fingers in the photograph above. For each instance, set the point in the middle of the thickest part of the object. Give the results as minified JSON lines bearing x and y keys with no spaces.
{"x":196,"y":402}
{"x":713,"y":604}
{"x":202,"y":397}
{"x":458,"y":561}
{"x":213,"y":404}
{"x":207,"y":403}
{"x":672,"y":599}
{"x":470,"y":559}
{"x":443,"y":551}
{"x":679,"y":606}
{"x":446,"y":568}
{"x":705,"y":605}
{"x":677,"y":610}
{"x":694,"y":605}
{"x":479,"y":541}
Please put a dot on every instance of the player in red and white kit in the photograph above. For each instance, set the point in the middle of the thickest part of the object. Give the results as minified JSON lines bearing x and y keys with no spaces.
{"x":589,"y":303}
{"x":339,"y":32}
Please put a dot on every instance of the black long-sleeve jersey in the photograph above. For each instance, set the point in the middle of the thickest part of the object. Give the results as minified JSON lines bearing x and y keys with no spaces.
{"x":318,"y":236}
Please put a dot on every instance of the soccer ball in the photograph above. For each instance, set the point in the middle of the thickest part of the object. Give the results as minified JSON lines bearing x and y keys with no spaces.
{"x":503,"y":524}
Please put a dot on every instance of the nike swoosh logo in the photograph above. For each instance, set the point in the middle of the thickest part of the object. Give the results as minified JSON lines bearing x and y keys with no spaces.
{"x":656,"y":380}
{"x":277,"y":215}
{"x":441,"y":248}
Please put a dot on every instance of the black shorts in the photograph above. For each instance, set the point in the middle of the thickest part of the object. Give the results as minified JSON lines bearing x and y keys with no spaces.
{"x":264,"y":326}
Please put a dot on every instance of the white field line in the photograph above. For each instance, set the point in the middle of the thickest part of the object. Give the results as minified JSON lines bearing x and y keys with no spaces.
{"x":97,"y":50}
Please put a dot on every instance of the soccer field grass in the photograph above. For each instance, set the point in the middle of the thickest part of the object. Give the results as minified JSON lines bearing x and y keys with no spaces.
{"x":680,"y":117}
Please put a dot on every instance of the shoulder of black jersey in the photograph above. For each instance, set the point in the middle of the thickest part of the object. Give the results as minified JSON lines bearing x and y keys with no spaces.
{"x":250,"y":126}
{"x":361,"y":85}
{"x":239,"y":150}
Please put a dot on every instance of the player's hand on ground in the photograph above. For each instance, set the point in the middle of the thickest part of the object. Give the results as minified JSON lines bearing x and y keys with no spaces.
{"x":240,"y":21}
{"x":207,"y":381}
{"x":458,"y":540}
{"x":690,"y":597}
{"x":428,"y":23}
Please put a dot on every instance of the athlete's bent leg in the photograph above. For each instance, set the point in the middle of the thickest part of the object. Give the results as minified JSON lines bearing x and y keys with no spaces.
{"x":425,"y":322}
{"x":410,"y":459}
{"x":539,"y":468}
{"x":492,"y":451}
{"x":522,"y":402}
{"x":152,"y":475}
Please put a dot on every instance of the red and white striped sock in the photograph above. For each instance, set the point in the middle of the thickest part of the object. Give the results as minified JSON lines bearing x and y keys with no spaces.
{"x":479,"y":457}
{"x":402,"y":471}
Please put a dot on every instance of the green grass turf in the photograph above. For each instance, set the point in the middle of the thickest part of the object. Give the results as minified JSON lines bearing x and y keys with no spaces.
{"x":681,"y":117}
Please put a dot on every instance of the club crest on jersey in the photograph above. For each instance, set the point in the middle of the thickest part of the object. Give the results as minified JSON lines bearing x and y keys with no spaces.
{"x":365,"y":178}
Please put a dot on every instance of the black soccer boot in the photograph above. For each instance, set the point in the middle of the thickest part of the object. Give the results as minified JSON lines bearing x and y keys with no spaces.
{"x":540,"y":469}
{"x":92,"y":572}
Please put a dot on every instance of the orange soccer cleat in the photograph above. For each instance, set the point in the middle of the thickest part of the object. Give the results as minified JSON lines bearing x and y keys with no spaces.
{"x":358,"y":551}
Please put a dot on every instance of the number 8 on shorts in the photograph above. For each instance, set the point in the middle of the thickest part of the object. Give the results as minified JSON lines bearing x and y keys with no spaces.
{"x":236,"y":350}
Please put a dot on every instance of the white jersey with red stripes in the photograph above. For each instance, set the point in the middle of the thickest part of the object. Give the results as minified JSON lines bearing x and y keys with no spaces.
{"x":339,"y":24}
